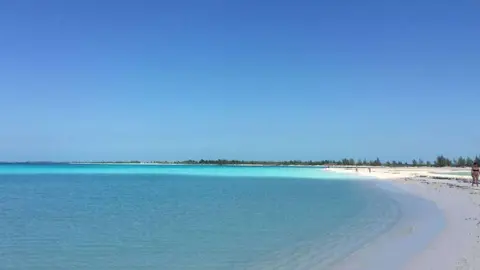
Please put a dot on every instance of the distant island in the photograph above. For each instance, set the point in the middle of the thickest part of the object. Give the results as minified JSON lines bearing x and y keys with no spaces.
{"x":440,"y":161}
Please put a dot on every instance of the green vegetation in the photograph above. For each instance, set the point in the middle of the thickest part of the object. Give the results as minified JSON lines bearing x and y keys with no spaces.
{"x":440,"y":161}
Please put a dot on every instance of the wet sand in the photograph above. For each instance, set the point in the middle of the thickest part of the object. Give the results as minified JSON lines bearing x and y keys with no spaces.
{"x":457,"y":246}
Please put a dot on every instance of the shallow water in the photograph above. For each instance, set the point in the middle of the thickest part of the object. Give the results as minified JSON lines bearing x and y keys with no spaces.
{"x":462,"y":173}
{"x":421,"y":221}
{"x":229,"y":219}
{"x":199,"y":170}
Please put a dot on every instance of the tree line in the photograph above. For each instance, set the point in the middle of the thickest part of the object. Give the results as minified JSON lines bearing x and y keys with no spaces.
{"x":440,"y":161}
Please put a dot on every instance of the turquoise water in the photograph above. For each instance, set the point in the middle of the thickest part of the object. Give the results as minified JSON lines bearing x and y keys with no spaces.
{"x":185,"y":217}
{"x":199,"y":170}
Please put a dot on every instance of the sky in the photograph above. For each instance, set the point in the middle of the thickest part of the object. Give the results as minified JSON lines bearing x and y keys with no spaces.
{"x":261,"y":80}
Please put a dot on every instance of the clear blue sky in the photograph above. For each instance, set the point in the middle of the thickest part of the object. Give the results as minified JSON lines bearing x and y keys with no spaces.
{"x":272,"y":79}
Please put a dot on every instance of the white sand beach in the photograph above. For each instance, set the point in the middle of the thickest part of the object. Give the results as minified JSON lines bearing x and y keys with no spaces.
{"x":458,"y":245}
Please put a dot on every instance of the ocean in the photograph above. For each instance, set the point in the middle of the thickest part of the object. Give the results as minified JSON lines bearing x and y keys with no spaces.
{"x":187,"y":217}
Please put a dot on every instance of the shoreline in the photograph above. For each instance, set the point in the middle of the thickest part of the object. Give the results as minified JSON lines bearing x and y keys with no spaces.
{"x":193,"y":164}
{"x":457,"y":245}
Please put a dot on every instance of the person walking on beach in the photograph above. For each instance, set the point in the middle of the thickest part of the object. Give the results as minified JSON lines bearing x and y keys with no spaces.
{"x":475,"y":173}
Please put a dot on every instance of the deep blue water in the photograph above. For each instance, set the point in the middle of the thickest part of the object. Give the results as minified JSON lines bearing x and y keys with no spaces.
{"x":94,"y":217}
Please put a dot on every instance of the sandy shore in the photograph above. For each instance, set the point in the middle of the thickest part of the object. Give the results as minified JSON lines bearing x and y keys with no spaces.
{"x":446,"y":173}
{"x":458,"y":245}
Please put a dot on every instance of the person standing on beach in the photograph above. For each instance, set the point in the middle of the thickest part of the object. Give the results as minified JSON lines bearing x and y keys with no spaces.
{"x":475,"y":173}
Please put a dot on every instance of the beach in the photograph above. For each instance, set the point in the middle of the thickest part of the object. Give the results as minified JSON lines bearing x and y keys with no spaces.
{"x":457,"y":246}
{"x":295,"y":217}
